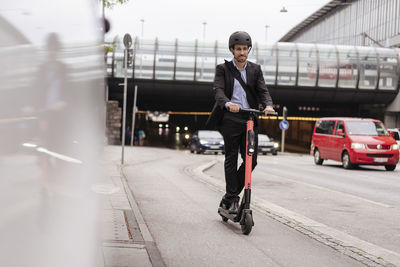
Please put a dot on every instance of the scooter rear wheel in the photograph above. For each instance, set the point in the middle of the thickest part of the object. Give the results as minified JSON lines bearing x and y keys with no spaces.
{"x":248,"y":224}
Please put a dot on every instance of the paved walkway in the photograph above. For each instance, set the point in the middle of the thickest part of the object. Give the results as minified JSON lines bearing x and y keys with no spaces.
{"x":126,"y":241}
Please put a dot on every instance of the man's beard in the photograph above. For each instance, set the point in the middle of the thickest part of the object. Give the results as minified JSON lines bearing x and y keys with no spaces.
{"x":241,"y":59}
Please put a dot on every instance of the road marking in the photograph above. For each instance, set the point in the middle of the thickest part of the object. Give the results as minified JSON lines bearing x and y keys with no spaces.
{"x":333,"y":191}
{"x":106,"y":189}
{"x":211,"y":163}
{"x":347,"y":244}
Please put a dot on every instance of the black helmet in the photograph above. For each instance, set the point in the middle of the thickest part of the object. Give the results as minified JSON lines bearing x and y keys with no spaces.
{"x":239,"y":38}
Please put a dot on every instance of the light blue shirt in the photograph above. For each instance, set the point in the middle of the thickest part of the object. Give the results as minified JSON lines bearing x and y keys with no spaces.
{"x":239,"y":94}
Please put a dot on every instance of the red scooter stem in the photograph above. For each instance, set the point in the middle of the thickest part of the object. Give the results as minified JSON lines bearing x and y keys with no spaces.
{"x":249,"y":158}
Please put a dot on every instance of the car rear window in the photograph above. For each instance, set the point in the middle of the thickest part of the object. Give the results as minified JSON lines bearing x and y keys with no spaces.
{"x":370,"y":128}
{"x":263,"y":138}
{"x":210,"y":134}
{"x":325,"y":127}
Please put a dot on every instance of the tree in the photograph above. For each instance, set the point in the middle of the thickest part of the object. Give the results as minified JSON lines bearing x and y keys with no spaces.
{"x":112,"y":3}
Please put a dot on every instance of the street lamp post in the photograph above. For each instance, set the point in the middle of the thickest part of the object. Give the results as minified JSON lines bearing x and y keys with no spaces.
{"x":142,"y":21}
{"x":204,"y":40}
{"x":266,"y":33}
{"x":266,"y":40}
{"x":204,"y":31}
{"x":141,"y":56}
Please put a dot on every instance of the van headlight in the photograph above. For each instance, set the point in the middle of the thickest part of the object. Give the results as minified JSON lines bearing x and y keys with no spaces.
{"x":203,"y":142}
{"x":276,"y":145}
{"x":395,"y":147}
{"x":221,"y":142}
{"x":357,"y":146}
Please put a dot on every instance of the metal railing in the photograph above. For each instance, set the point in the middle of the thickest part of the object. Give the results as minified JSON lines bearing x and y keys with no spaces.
{"x":283,"y":64}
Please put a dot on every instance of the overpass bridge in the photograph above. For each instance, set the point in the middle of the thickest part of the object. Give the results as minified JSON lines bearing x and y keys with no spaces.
{"x":178,"y":76}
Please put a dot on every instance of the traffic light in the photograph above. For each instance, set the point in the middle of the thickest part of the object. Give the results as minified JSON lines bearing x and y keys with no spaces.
{"x":284,"y":113}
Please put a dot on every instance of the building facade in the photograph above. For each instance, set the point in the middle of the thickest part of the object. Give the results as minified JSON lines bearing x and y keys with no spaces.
{"x":373,"y":23}
{"x":356,"y":22}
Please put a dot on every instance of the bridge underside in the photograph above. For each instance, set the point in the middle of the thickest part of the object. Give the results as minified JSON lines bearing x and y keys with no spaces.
{"x":198,"y":96}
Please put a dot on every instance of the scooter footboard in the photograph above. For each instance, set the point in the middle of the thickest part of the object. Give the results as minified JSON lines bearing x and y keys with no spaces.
{"x":226,"y":214}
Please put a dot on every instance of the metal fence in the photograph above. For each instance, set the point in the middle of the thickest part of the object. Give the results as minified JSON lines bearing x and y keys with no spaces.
{"x":283,"y":64}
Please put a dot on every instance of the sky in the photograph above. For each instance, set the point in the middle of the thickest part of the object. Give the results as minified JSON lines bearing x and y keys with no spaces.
{"x":183,"y":19}
{"x":35,"y":22}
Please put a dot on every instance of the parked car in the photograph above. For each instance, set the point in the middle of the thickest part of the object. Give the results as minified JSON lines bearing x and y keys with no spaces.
{"x":267,"y":145}
{"x":354,"y":141}
{"x":395,"y":133}
{"x":207,"y":141}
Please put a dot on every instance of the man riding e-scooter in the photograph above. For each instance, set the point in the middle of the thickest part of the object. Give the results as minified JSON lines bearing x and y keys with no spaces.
{"x":238,"y":84}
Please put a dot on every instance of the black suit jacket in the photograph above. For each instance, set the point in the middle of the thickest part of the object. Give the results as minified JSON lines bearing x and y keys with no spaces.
{"x":223,"y":89}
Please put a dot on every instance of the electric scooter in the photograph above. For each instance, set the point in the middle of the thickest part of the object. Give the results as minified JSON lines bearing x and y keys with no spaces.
{"x":245,"y":215}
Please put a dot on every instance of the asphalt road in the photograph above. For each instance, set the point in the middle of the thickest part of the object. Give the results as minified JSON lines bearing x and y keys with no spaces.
{"x":363,"y":202}
{"x":179,"y":205}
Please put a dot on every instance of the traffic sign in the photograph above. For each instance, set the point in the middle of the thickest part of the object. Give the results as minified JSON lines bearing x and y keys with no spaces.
{"x":127,"y":40}
{"x":284,"y":125}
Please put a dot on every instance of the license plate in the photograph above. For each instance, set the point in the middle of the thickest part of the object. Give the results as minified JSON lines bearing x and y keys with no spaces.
{"x":380,"y":159}
{"x":214,"y":147}
{"x":265,"y":149}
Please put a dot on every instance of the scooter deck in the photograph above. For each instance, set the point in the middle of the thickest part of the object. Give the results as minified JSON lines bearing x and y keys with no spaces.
{"x":230,"y":216}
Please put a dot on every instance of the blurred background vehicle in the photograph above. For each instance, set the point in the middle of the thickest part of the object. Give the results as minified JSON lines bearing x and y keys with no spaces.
{"x":206,"y":141}
{"x":267,"y":145}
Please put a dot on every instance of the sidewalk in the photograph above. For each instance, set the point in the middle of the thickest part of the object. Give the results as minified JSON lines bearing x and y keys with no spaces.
{"x":125,"y":238}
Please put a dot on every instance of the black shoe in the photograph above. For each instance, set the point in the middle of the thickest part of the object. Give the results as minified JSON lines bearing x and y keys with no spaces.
{"x":233,"y":209}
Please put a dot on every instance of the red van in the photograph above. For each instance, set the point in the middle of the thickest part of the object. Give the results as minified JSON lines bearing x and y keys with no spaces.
{"x":354,"y":141}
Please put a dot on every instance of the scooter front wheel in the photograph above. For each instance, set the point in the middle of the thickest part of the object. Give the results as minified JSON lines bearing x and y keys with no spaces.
{"x":248,"y":224}
{"x":224,"y":218}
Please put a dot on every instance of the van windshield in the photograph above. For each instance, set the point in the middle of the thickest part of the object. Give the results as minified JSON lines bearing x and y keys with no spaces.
{"x":366,"y":128}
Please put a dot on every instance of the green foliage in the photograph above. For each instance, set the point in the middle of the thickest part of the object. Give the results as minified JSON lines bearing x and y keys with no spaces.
{"x":112,"y":3}
{"x":108,"y":48}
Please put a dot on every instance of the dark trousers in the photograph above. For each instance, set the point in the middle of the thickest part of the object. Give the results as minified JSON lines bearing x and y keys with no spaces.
{"x":233,"y":129}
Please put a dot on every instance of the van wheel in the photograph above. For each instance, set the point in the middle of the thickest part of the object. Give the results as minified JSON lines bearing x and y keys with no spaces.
{"x":346,"y":163}
{"x":317,"y":157}
{"x":390,"y":167}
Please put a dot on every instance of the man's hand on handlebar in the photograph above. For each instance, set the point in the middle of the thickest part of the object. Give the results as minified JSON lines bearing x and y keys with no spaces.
{"x":269,"y":110}
{"x":233,"y":107}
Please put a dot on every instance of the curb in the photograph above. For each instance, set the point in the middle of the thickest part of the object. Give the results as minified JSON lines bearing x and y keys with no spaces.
{"x":150,"y":245}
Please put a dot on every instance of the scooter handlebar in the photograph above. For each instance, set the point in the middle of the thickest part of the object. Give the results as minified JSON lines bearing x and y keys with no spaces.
{"x":257,"y":112}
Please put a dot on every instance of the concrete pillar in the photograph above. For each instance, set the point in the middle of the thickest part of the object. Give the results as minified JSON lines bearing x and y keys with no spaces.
{"x":392,"y":113}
